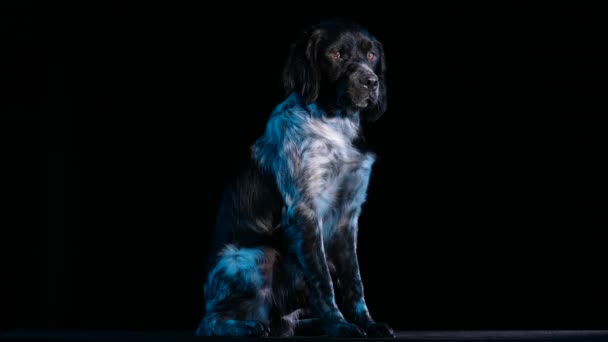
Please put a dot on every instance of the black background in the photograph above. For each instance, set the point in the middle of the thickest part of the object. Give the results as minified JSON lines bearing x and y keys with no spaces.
{"x":121,"y":121}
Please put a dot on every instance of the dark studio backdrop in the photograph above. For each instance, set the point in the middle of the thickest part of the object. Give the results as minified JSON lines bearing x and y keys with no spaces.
{"x":121,"y":122}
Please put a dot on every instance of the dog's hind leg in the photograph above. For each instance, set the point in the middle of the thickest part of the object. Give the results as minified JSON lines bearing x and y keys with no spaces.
{"x":294,"y":325}
{"x":238,"y":293}
{"x":298,"y":323}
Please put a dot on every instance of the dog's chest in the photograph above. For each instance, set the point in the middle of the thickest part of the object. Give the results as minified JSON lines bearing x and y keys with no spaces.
{"x":334,"y":165}
{"x":330,"y":142}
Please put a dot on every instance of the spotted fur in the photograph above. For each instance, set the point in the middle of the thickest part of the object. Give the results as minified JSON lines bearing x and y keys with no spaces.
{"x":284,"y":259}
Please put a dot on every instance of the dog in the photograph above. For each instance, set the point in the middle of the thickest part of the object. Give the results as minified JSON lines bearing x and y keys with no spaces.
{"x":283,"y":259}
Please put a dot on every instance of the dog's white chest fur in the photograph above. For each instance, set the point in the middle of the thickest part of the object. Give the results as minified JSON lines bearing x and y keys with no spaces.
{"x":338,"y":172}
{"x":312,"y":157}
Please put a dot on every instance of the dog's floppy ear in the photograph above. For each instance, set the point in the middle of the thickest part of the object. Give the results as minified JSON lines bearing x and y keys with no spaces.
{"x":301,"y":73}
{"x":375,"y":112}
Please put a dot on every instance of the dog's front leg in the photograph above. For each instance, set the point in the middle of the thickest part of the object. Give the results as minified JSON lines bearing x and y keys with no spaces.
{"x":348,"y":276}
{"x":343,"y":253}
{"x":306,"y":241}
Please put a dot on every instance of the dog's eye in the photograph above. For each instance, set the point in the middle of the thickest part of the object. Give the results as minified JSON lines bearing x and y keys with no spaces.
{"x":335,"y":54}
{"x":371,"y":56}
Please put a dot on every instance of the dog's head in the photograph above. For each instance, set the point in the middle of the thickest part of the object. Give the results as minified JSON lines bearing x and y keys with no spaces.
{"x":339,"y":65}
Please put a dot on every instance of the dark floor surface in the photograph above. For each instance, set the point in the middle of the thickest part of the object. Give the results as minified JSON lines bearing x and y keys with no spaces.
{"x":187,"y":336}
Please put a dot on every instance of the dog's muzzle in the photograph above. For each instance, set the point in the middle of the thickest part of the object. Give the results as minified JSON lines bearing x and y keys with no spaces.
{"x":362,"y":86}
{"x":369,"y":81}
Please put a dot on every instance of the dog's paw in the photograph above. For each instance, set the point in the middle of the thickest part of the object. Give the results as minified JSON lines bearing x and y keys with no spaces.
{"x":377,"y":329}
{"x":257,"y":329}
{"x":233,"y":328}
{"x":250,"y":329}
{"x":344,"y":329}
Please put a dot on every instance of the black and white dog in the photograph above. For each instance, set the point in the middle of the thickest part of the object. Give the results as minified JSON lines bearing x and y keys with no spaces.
{"x":283,"y":259}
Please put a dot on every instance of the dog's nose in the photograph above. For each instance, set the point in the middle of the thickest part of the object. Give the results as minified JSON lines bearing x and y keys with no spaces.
{"x":371,"y":82}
